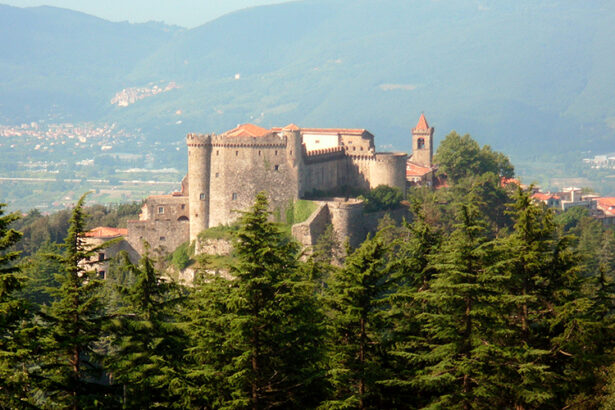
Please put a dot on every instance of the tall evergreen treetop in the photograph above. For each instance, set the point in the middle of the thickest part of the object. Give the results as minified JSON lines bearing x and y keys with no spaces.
{"x":146,"y":338}
{"x":273,"y":331}
{"x":359,"y":298}
{"x":70,"y":364}
{"x":13,"y":337}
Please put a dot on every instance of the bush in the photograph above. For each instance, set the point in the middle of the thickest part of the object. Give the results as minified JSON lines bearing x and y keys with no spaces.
{"x":382,"y":198}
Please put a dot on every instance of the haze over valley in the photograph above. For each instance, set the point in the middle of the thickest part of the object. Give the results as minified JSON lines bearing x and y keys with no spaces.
{"x":531,"y":79}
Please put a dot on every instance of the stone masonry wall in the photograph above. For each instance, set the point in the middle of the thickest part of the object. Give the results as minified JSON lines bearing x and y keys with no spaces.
{"x":242,"y":167}
{"x":165,"y":235}
{"x":308,"y":232}
{"x":349,"y":221}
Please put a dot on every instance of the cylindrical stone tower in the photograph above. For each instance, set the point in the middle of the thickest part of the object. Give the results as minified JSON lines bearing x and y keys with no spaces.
{"x":294,"y":154}
{"x":389,"y":169}
{"x":199,"y":165}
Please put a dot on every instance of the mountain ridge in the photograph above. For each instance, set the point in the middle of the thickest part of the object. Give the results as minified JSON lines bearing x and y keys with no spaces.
{"x":522,"y":77}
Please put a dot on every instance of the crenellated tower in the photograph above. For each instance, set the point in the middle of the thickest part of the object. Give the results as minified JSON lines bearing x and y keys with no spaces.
{"x":294,"y":154}
{"x":422,"y":143}
{"x":199,"y":169}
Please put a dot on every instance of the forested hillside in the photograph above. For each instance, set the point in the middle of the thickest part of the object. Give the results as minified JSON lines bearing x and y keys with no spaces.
{"x":483,"y":300}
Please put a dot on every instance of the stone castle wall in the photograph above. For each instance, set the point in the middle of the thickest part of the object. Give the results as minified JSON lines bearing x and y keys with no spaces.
{"x":164,"y":235}
{"x":308,"y":232}
{"x":242,"y":167}
{"x":349,"y":220}
{"x":226,"y":172}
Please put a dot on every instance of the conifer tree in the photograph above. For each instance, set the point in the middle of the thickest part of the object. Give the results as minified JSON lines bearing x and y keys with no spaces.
{"x":358,"y":297}
{"x":459,"y":318}
{"x":268,"y":352}
{"x":147,"y":342}
{"x":546,"y":310}
{"x":209,"y":355}
{"x":70,"y":361}
{"x":14,"y":342}
{"x":414,"y":248}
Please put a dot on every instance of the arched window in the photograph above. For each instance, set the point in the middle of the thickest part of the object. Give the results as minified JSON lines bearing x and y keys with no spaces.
{"x":420,"y":143}
{"x":182,"y":218}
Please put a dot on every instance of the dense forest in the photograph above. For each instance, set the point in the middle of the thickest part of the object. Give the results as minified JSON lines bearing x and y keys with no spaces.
{"x":484,"y":299}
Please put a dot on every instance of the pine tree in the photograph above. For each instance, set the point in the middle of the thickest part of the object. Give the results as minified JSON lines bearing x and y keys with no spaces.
{"x":459,"y":319}
{"x":546,"y":310}
{"x":358,"y":297}
{"x":70,"y":360}
{"x":413,"y":249}
{"x":209,"y":355}
{"x":147,"y":342}
{"x":269,"y":349}
{"x":14,"y":342}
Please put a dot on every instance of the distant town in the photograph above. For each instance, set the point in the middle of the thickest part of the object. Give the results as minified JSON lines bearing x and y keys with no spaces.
{"x":133,"y":94}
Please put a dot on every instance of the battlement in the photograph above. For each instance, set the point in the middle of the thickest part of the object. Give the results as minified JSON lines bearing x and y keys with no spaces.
{"x":198,"y":140}
{"x":390,"y":156}
{"x":269,"y":140}
{"x":324,"y":154}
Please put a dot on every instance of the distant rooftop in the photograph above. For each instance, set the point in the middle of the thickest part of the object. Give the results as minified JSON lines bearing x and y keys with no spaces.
{"x":422,"y":124}
{"x":247,"y":130}
{"x":106,"y":232}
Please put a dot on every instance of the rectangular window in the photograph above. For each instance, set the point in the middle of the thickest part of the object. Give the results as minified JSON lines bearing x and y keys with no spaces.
{"x":160,"y":210}
{"x":101,"y":256}
{"x":276,"y":152}
{"x":162,"y":238}
{"x":101,"y":274}
{"x":217,"y":152}
{"x":234,"y":196}
{"x":202,"y":196}
{"x":276,"y":167}
{"x":236,"y":153}
{"x":183,"y":206}
{"x":217,"y":174}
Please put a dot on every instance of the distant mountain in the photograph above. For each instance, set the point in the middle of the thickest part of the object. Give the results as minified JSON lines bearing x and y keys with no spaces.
{"x":66,"y":63}
{"x":524,"y":76}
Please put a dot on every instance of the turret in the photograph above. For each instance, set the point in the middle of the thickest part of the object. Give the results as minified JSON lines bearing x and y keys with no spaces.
{"x":294,"y":153}
{"x":199,"y":165}
{"x":422,"y":143}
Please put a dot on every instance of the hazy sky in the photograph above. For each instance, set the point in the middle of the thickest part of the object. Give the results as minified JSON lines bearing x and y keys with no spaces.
{"x":186,"y":13}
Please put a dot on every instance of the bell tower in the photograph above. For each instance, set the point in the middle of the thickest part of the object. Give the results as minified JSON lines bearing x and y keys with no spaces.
{"x":422,"y":143}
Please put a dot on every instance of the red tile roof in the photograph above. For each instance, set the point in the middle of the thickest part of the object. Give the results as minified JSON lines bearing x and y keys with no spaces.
{"x":506,"y":181}
{"x":422,"y":124}
{"x":335,"y":131}
{"x":106,"y":232}
{"x":607,"y":205}
{"x":291,"y":127}
{"x":247,"y":130}
{"x":415,"y":170}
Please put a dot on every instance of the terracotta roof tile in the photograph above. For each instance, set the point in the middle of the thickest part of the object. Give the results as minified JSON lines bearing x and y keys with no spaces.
{"x":247,"y":130}
{"x":422,"y":124}
{"x":334,"y":131}
{"x":291,"y":127}
{"x":606,"y":204}
{"x":544,"y":197}
{"x":106,"y":232}
{"x":506,"y":181}
{"x":415,"y":170}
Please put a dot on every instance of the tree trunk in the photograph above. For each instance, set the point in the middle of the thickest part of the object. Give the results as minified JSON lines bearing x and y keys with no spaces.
{"x":362,"y":342}
{"x":468,"y":348}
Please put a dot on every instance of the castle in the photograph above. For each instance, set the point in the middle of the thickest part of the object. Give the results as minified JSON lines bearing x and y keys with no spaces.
{"x":226,"y":171}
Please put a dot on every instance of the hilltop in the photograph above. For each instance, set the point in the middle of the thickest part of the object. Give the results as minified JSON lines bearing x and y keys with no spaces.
{"x":530,"y":78}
